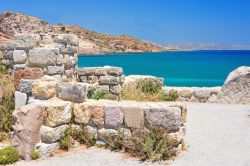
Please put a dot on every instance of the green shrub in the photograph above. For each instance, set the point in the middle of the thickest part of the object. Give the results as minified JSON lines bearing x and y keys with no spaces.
{"x":153,"y":144}
{"x":8,"y":155}
{"x":35,"y":155}
{"x":148,"y":86}
{"x":66,"y":141}
{"x":95,"y":94}
{"x":5,"y":137}
{"x":84,"y":137}
{"x":115,"y":143}
{"x":2,"y":69}
{"x":172,"y":96}
{"x":6,"y":110}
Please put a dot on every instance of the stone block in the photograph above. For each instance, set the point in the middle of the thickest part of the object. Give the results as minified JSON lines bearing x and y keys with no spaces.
{"x":179,"y":136}
{"x":53,"y":70}
{"x":81,"y":113}
{"x":46,"y":150}
{"x":75,"y":92}
{"x":202,"y":93}
{"x":92,"y":130}
{"x":97,"y":114}
{"x":116,"y":89}
{"x":84,"y":79}
{"x":67,"y":39}
{"x":85,"y":71}
{"x":106,"y":134}
{"x":92,"y":79}
{"x":103,"y":88}
{"x":19,"y":66}
{"x":51,"y":135}
{"x":71,"y":49}
{"x":58,"y":112}
{"x":134,"y":117}
{"x":40,"y":57}
{"x":44,"y":89}
{"x":113,"y":116}
{"x":100,"y":71}
{"x":26,"y":86}
{"x":168,"y":118}
{"x":19,"y":56}
{"x":20,"y":99}
{"x":114,"y":71}
{"x":108,"y":80}
{"x":8,"y":55}
{"x":47,"y":39}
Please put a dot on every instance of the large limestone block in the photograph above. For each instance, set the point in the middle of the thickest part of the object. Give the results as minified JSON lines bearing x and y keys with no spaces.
{"x":169,"y":118}
{"x":113,"y":116}
{"x":81,"y":113}
{"x":44,"y":89}
{"x":27,"y":122}
{"x":236,"y":88}
{"x":26,"y":86}
{"x":75,"y":92}
{"x":109,"y":80}
{"x":27,"y":73}
{"x":20,"y":99}
{"x":85,"y":71}
{"x":41,"y":57}
{"x":53,"y":70}
{"x":97,"y":114}
{"x":19,"y":56}
{"x":67,"y":39}
{"x":45,"y":150}
{"x":50,"y":135}
{"x":58,"y":112}
{"x":114,"y":71}
{"x":23,"y":41}
{"x":134,"y":117}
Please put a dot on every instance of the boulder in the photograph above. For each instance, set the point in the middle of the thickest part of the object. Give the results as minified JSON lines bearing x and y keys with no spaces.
{"x":19,"y":56}
{"x":51,"y":135}
{"x":20,"y":99}
{"x":168,"y":118}
{"x":40,"y":57}
{"x":67,"y":39}
{"x":75,"y":92}
{"x":27,"y":122}
{"x":113,"y":116}
{"x":236,"y":88}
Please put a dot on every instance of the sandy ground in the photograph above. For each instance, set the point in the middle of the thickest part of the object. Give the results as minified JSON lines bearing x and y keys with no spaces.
{"x":217,"y":135}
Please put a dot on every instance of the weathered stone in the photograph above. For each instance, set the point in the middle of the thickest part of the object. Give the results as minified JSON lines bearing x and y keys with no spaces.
{"x":186,"y":93}
{"x":92,"y":79}
{"x":67,"y":39}
{"x":169,"y":118}
{"x":27,"y":122}
{"x":178,"y":136}
{"x":108,"y":80}
{"x":19,"y":66}
{"x":202,"y":93}
{"x":71,"y":49}
{"x":134,"y":117}
{"x":85,"y":71}
{"x":5,"y":62}
{"x":46,"y":150}
{"x":92,"y":130}
{"x":106,"y":134}
{"x":26,"y":86}
{"x":69,"y":73}
{"x":126,"y":133}
{"x":115,"y":71}
{"x":100,"y":71}
{"x":23,"y":42}
{"x":58,"y":112}
{"x":113,"y":116}
{"x":81,"y":113}
{"x":52,"y":70}
{"x":47,"y":39}
{"x":20,"y":99}
{"x":84,"y":79}
{"x":194,"y":99}
{"x":40,"y":57}
{"x":61,"y":47}
{"x":27,"y":73}
{"x":8,"y":55}
{"x":1,"y":55}
{"x":75,"y":92}
{"x":19,"y":56}
{"x":97,"y":114}
{"x":44,"y":89}
{"x":213,"y":99}
{"x":236,"y":88}
{"x":116,"y":89}
{"x":51,"y":135}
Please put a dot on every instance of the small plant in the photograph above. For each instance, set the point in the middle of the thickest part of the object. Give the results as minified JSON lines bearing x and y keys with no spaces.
{"x":84,"y":137}
{"x":2,"y":69}
{"x":35,"y":155}
{"x":8,"y":155}
{"x":4,"y":137}
{"x":6,"y":114}
{"x":66,"y":141}
{"x":95,"y":94}
{"x":153,"y":144}
{"x":148,"y":86}
{"x":115,"y":143}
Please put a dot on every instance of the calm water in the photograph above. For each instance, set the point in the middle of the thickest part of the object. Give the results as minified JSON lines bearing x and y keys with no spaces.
{"x":186,"y":68}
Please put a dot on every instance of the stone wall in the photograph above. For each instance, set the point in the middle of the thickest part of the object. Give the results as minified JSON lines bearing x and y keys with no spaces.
{"x":102,"y":118}
{"x":107,"y":79}
{"x":195,"y":94}
{"x":30,"y":56}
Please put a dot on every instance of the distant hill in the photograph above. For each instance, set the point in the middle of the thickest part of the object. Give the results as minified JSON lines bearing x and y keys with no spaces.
{"x":90,"y":42}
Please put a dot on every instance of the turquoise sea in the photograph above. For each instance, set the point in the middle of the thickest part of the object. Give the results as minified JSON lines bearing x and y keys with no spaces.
{"x":182,"y":68}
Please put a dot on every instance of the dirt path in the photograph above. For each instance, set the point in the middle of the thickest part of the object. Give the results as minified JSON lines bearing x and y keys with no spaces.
{"x":217,"y":135}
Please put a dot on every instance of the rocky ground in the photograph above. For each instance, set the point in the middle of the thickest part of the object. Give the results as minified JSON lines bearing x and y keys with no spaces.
{"x":217,"y":134}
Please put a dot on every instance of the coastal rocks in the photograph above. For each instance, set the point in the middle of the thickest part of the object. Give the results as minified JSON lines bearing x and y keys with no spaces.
{"x":75,"y":92}
{"x":27,"y":122}
{"x":236,"y":88}
{"x":51,"y":135}
{"x":27,"y":73}
{"x":167,"y":118}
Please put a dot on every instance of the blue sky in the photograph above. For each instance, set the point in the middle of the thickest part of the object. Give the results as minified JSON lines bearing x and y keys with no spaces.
{"x":160,"y":21}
